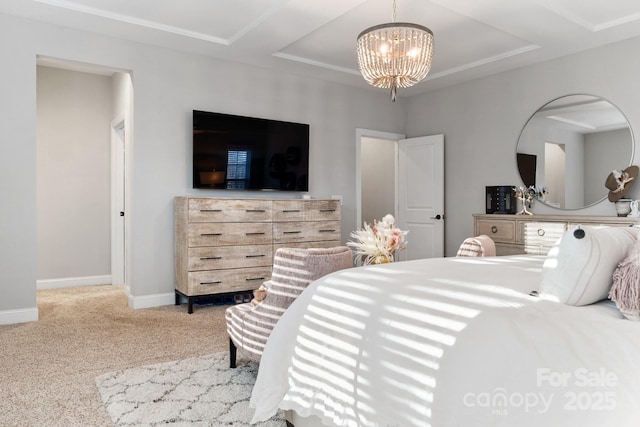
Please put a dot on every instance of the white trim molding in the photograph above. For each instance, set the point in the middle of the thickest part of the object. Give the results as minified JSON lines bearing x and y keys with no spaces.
{"x":73,"y":282}
{"x":24,"y":315}
{"x":150,"y":301}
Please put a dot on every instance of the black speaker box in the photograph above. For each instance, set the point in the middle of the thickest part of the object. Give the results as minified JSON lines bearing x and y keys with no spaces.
{"x":501,"y":199}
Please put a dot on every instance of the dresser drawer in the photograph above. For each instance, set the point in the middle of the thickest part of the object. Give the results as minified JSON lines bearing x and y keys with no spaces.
{"x":499,"y":231}
{"x":220,"y":281}
{"x":306,"y":231}
{"x":221,"y":234}
{"x":288,"y":210}
{"x":322,"y":210}
{"x":209,"y":210}
{"x":220,"y":257}
{"x":539,"y":237}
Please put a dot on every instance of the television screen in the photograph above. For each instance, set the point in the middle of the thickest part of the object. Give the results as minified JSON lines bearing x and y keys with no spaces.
{"x":244,"y":153}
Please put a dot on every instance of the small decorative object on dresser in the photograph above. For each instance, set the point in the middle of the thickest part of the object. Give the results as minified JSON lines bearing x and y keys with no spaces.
{"x":226,"y":246}
{"x":618,"y":183}
{"x":500,"y":199}
{"x":527,"y":195}
{"x":623,"y":207}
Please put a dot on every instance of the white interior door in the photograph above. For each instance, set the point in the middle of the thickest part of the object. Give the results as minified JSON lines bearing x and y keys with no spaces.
{"x":421,"y":196}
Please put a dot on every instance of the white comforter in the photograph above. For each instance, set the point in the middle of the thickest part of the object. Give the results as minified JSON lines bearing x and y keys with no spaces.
{"x":449,"y":342}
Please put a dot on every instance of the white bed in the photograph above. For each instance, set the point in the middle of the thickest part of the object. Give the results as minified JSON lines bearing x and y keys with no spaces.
{"x":449,"y":342}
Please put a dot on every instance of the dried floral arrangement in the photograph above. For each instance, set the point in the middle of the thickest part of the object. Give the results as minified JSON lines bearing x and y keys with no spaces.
{"x":378,"y":243}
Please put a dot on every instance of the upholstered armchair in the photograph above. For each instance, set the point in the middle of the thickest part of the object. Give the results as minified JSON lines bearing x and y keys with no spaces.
{"x":249,"y":325}
{"x":481,"y":245}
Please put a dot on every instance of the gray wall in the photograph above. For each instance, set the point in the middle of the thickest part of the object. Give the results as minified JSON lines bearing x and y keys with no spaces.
{"x":17,"y":171}
{"x":168,"y":85}
{"x":74,"y":113}
{"x":482,"y":119}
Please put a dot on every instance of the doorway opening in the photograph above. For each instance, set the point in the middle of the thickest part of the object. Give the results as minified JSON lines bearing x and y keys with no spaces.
{"x":407,"y":180}
{"x":555,"y":161}
{"x":84,"y":119}
{"x":376,"y":166}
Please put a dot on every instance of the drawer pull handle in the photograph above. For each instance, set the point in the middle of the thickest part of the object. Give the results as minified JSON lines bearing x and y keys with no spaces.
{"x":253,"y":279}
{"x":291,"y":210}
{"x":292,"y":232}
{"x":327,"y":210}
{"x":211,"y":234}
{"x":540,"y":232}
{"x":327,"y":231}
{"x":254,"y":256}
{"x":217,"y":282}
{"x":255,"y":210}
{"x":207,"y":258}
{"x":210,"y":210}
{"x":494,"y":229}
{"x":257,"y":233}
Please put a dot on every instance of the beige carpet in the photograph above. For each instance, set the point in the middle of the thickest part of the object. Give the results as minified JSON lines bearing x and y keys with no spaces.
{"x":48,"y":368}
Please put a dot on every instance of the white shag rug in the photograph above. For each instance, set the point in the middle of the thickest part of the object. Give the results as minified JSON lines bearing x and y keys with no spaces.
{"x":200,"y":391}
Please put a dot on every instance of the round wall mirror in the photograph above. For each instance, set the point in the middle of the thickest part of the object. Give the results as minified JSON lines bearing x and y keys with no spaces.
{"x":570,"y":146}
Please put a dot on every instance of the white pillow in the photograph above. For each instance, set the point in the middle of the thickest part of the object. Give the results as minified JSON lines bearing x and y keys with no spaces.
{"x":579,"y":270}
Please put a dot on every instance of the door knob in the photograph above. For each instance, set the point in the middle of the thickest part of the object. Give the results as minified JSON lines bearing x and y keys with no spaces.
{"x":437,"y":217}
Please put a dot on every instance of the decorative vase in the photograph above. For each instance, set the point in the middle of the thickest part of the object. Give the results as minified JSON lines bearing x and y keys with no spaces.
{"x":623,"y":207}
{"x":379,"y":259}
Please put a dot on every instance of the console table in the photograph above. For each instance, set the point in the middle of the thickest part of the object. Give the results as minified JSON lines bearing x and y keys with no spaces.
{"x":227,"y":245}
{"x":536,"y":234}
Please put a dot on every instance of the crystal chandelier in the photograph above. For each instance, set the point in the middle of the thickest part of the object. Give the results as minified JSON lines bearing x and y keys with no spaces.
{"x":393,"y":55}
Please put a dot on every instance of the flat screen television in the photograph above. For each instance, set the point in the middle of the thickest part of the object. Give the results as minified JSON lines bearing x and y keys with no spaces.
{"x":245,"y":153}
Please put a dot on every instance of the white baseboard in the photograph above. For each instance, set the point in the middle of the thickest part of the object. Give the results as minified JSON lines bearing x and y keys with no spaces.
{"x":72,"y":282}
{"x":9,"y":317}
{"x":149,"y":301}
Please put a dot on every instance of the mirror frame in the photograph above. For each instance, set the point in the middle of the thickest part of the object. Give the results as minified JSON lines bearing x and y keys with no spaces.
{"x":541,"y":108}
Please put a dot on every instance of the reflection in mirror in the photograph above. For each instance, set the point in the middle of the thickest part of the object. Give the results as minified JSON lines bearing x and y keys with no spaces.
{"x":570,"y":146}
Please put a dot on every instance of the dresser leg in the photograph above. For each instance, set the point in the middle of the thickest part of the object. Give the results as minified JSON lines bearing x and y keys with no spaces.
{"x":190,"y":305}
{"x":177,"y":298}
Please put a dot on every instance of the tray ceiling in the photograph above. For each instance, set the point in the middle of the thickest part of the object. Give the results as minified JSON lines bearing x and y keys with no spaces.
{"x":473,"y":38}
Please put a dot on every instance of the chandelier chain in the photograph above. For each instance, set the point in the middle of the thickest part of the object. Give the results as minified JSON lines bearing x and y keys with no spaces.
{"x":393,"y":17}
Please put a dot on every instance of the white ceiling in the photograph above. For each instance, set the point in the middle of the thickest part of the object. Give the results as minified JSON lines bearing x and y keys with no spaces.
{"x":473,"y":38}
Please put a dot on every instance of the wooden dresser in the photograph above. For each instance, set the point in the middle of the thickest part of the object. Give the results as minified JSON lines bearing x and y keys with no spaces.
{"x":536,"y":234}
{"x":226,"y":246}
